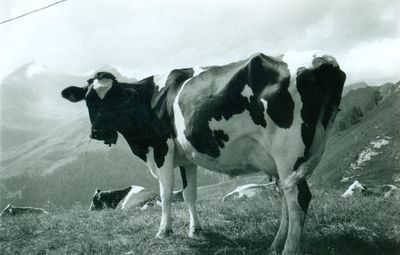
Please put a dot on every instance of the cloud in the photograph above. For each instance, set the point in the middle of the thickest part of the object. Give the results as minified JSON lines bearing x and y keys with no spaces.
{"x":148,"y":36}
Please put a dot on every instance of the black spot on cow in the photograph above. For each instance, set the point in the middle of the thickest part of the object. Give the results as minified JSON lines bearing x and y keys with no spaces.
{"x":264,"y":72}
{"x":304,"y":195}
{"x":220,"y":137}
{"x":217,"y":94}
{"x":320,"y":88}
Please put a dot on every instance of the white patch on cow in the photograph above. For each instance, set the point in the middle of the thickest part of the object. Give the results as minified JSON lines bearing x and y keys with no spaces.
{"x":265,"y":104}
{"x":150,"y":157}
{"x":247,"y":92}
{"x":161,"y":80}
{"x":134,"y":190}
{"x":179,"y":119}
{"x":352,"y":188}
{"x":102,"y":86}
{"x":198,"y":70}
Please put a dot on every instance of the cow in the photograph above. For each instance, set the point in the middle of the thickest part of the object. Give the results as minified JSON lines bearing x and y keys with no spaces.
{"x":16,"y":210}
{"x":130,"y":197}
{"x":248,"y":191}
{"x":108,"y":199}
{"x":385,"y":190}
{"x":262,"y":114}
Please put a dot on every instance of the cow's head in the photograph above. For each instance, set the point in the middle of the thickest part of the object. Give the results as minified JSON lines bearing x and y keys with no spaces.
{"x":111,"y":105}
{"x":97,"y":202}
{"x":320,"y":86}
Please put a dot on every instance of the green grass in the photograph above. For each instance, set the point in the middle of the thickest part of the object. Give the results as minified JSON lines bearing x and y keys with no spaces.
{"x":362,"y":225}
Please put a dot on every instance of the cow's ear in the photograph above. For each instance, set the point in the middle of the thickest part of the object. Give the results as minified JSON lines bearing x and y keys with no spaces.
{"x":74,"y":94}
{"x":98,"y":191}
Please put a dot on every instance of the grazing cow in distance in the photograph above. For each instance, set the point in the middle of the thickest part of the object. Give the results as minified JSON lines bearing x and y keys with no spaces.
{"x":262,"y":114}
{"x":130,"y":197}
{"x":386,"y":190}
{"x":249,"y":191}
{"x":16,"y":210}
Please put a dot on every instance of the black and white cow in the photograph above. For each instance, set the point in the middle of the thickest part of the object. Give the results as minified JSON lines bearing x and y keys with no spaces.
{"x":131,"y":197}
{"x":385,"y":190}
{"x":262,"y":114}
{"x":17,"y":210}
{"x":108,"y":198}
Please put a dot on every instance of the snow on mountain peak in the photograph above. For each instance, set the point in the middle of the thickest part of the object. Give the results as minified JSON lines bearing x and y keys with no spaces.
{"x":35,"y":68}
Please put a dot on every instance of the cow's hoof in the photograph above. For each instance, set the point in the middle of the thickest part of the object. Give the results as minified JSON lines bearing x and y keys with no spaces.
{"x":273,"y":251}
{"x":163,"y":234}
{"x":276,"y":248}
{"x":193,"y":233}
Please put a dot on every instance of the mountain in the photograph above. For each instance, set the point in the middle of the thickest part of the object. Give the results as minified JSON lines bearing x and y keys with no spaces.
{"x":356,"y":102}
{"x":354,"y":86}
{"x":368,"y":149}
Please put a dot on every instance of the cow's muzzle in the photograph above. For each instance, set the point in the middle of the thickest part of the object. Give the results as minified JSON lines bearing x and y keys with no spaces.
{"x":107,"y":135}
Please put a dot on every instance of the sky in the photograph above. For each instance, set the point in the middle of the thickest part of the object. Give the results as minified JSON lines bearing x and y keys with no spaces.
{"x":145,"y":37}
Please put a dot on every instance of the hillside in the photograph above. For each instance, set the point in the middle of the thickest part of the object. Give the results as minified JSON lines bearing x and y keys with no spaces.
{"x":354,"y":86}
{"x":369,"y":149}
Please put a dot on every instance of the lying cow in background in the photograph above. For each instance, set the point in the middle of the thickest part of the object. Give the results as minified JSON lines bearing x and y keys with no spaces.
{"x":262,"y":114}
{"x":386,"y":190}
{"x":108,"y":199}
{"x":249,"y":191}
{"x":144,"y":198}
{"x":16,"y":210}
{"x":131,"y":197}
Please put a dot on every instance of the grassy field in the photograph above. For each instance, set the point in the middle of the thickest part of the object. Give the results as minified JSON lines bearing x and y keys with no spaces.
{"x":361,"y":225}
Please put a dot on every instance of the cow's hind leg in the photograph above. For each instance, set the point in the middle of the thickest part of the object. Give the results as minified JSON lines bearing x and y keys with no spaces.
{"x":280,"y":237}
{"x":298,"y":197}
{"x":190,"y":196}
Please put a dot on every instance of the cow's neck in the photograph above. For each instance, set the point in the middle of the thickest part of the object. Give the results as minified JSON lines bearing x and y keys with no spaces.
{"x":146,"y":127}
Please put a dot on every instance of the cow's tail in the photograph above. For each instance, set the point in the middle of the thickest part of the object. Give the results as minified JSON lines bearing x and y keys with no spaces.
{"x":292,"y":180}
{"x":183,"y":175}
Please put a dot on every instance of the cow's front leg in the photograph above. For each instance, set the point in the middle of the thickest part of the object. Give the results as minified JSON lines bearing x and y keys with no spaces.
{"x":190,"y":196}
{"x":165,"y":175}
{"x":298,"y":197}
{"x":166,"y":180}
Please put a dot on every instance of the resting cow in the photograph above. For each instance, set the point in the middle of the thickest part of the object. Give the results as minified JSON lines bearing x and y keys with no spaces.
{"x":262,"y":114}
{"x":16,"y":210}
{"x":386,"y":190}
{"x":131,"y":197}
{"x":108,"y":199}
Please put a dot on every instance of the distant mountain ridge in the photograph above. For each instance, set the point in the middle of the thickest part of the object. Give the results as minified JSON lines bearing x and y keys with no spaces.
{"x":365,"y":142}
